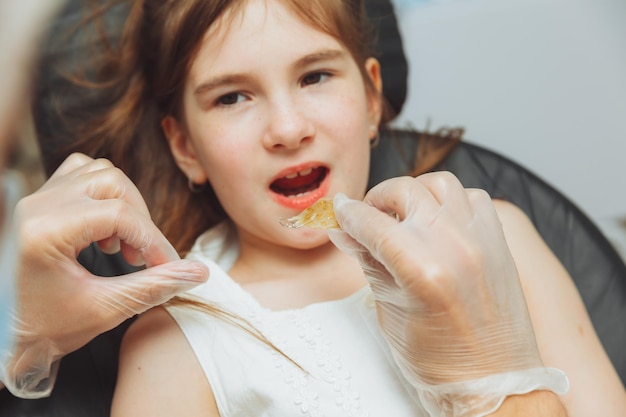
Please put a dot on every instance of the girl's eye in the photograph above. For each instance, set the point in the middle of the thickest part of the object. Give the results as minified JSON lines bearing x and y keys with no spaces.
{"x":230,"y":99}
{"x":315,"y":78}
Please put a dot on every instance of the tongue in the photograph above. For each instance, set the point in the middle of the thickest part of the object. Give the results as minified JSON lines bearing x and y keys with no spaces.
{"x":298,"y":184}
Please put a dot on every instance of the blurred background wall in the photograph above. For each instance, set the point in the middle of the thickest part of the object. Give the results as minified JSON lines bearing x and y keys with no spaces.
{"x":541,"y":81}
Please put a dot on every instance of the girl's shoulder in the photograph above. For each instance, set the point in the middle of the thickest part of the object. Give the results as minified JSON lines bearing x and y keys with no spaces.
{"x":534,"y":259}
{"x":518,"y":228}
{"x":155,"y":325}
{"x":156,"y":365}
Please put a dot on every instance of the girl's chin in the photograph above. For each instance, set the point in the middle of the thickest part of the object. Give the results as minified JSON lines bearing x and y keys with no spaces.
{"x":306,"y":238}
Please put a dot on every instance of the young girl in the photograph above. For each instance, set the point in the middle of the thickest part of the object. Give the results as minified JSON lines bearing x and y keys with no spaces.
{"x":268,"y":106}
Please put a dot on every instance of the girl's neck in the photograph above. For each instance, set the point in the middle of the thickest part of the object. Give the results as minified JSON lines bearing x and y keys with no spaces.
{"x":283,"y":278}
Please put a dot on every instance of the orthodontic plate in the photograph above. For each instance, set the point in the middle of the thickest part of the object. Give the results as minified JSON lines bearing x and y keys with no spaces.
{"x":320,"y":215}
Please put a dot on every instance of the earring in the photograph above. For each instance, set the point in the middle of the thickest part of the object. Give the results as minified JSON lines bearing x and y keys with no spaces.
{"x":374,"y":136}
{"x":193,"y":187}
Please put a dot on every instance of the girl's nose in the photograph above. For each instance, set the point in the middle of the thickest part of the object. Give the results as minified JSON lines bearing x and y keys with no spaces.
{"x":288,"y":127}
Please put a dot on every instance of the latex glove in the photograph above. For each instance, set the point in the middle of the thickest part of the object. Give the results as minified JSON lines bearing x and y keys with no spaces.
{"x":448,"y":297}
{"x":61,"y":306}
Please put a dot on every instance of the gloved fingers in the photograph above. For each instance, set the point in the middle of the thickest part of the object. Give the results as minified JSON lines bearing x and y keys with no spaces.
{"x":111,"y":183}
{"x":374,"y":238}
{"x":118,"y":298}
{"x":450,"y":194}
{"x":98,"y":179}
{"x":402,"y":198}
{"x":70,"y":164}
{"x":375,"y":272}
{"x":444,"y":264}
{"x":80,"y":307}
{"x":483,"y":207}
{"x":343,"y":240}
{"x":85,"y":188}
{"x":444,"y":256}
{"x":423,"y":201}
{"x":86,"y":221}
{"x":105,"y":182}
{"x":408,"y":247}
{"x":364,"y":223}
{"x":142,"y":241}
{"x":84,"y":305}
{"x":113,"y":245}
{"x":486,"y":230}
{"x":78,"y":164}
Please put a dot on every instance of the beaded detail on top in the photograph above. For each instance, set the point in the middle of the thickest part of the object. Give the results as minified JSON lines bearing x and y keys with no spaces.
{"x":308,"y":343}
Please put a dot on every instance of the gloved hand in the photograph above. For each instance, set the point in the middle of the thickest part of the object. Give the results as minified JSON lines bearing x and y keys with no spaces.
{"x":448,"y":296}
{"x":60,"y":305}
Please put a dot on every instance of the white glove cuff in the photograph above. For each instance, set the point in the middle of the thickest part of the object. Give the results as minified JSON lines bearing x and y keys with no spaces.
{"x":30,"y":382}
{"x":480,"y":397}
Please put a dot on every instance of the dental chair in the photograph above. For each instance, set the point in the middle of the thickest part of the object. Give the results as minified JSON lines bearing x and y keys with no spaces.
{"x":87,"y":377}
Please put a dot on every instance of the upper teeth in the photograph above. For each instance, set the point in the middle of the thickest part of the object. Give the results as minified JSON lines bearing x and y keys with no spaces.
{"x":301,"y":173}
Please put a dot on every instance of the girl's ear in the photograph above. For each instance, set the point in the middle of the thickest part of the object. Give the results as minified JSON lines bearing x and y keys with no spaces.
{"x":375,"y":101}
{"x":183,"y":150}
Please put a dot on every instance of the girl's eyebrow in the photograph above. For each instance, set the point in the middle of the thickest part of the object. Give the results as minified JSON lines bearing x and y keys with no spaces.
{"x":218,"y":81}
{"x":323,"y":55}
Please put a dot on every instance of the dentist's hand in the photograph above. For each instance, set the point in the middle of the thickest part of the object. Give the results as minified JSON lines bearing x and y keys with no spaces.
{"x":448,"y":297}
{"x":60,"y":305}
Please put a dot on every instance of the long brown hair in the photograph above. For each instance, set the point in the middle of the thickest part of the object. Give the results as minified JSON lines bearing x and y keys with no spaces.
{"x":143,"y":74}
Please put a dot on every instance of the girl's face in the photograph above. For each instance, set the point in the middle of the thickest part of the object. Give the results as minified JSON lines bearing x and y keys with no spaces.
{"x":276,"y":116}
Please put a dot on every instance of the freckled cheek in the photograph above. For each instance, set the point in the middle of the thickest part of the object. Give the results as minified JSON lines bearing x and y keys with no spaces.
{"x":343,"y":115}
{"x":222,"y":140}
{"x":227,"y":160}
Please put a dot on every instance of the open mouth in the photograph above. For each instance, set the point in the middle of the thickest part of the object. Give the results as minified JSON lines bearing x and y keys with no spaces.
{"x":299,"y":183}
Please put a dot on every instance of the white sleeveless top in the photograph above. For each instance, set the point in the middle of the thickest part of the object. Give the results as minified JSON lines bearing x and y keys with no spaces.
{"x":343,"y":366}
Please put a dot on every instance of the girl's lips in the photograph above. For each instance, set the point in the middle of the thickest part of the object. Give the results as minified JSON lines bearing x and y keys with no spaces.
{"x":295,"y":198}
